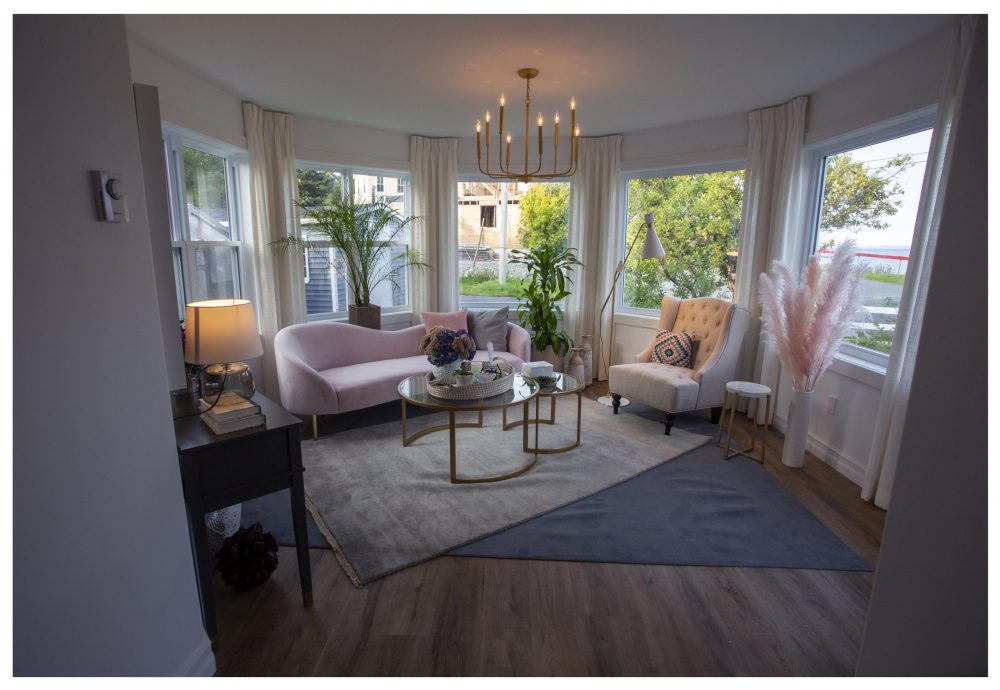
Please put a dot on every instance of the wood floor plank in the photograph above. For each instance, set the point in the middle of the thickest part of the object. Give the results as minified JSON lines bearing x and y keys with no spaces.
{"x":484,"y":616}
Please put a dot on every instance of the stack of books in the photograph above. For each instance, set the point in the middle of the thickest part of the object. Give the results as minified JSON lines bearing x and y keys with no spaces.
{"x":231,"y":413}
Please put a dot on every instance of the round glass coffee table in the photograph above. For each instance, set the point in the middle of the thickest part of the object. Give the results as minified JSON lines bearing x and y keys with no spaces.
{"x":413,"y":390}
{"x":556,"y":386}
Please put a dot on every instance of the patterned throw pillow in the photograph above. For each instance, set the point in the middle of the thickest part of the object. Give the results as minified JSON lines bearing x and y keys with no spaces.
{"x":673,"y":348}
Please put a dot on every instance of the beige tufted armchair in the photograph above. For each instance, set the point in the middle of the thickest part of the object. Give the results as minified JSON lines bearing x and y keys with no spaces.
{"x":718,"y":328}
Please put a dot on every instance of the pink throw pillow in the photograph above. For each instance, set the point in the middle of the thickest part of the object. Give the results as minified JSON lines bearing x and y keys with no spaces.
{"x":454,"y":320}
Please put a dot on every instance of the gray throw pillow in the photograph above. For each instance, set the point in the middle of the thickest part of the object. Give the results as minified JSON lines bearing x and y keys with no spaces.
{"x":489,"y":325}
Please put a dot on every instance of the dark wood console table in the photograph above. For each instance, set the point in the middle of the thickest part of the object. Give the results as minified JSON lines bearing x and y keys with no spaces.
{"x":222,"y":470}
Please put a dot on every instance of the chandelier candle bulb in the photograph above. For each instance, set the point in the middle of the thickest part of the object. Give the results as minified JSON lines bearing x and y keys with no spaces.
{"x":556,"y":140}
{"x":502,"y":101}
{"x":488,"y":130}
{"x":479,"y":153}
{"x":508,"y":151}
{"x":539,"y":134}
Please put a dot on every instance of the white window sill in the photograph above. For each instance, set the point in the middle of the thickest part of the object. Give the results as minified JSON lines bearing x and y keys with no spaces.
{"x":859,"y":370}
{"x":638,"y":320}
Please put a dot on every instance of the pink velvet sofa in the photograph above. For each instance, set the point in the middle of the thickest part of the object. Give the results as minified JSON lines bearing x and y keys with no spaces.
{"x":328,"y":367}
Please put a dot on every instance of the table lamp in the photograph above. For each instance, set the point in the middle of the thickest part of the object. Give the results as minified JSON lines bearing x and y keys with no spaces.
{"x":651,"y":249}
{"x":221,"y":333}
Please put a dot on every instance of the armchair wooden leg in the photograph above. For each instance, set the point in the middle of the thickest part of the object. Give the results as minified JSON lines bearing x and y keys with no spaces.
{"x":616,"y":401}
{"x":315,"y":428}
{"x":667,"y":423}
{"x":716,"y":414}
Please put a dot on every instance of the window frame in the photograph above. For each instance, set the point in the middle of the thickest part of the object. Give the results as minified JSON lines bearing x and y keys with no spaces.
{"x":622,"y":229}
{"x":347,"y":174}
{"x":175,"y":139}
{"x":814,"y":158}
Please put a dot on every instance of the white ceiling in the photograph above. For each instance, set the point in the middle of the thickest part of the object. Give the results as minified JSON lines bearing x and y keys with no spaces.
{"x":435,"y":75}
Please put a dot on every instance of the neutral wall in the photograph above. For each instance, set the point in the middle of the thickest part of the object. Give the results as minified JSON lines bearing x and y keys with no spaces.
{"x":928,"y":614}
{"x":103,"y":577}
{"x":898,"y":84}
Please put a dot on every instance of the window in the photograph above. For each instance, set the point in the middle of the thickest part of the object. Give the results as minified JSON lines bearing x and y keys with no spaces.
{"x":207,"y":248}
{"x":870,"y":193}
{"x":495,"y":217}
{"x":327,"y":293}
{"x":697,"y":218}
{"x":488,"y":216}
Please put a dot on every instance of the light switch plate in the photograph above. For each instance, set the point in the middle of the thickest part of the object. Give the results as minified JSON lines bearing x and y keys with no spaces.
{"x":109,"y":193}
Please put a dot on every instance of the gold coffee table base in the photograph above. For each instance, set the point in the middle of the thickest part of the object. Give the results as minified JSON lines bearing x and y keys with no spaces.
{"x":551,"y":420}
{"x":472,"y":406}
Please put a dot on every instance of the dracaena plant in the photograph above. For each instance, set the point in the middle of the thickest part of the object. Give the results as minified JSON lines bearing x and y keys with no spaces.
{"x":364,"y":233}
{"x":549,"y":268}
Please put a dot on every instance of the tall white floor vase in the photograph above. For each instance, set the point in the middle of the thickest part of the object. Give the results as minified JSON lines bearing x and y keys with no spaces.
{"x":797,"y":429}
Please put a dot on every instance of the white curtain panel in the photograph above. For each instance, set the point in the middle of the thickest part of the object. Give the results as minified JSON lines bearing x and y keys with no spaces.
{"x":273,"y":189}
{"x":771,"y":223}
{"x":595,"y":215}
{"x":434,"y":190}
{"x":884,"y":454}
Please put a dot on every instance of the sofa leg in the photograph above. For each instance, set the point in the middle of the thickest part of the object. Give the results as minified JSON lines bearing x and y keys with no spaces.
{"x":616,"y":401}
{"x":667,"y":423}
{"x":315,"y":428}
{"x":716,"y":414}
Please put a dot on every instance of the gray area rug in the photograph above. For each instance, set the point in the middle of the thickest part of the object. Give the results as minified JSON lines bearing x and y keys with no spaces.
{"x":385,"y":507}
{"x":696,"y":510}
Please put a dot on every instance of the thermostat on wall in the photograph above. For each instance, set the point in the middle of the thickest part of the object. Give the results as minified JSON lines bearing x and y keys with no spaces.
{"x":109,"y":192}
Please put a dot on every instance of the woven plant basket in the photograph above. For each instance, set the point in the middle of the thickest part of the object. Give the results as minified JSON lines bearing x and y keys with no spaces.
{"x":474,"y":391}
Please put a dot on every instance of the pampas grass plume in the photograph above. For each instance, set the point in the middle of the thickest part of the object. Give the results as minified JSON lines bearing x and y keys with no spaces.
{"x":806,"y":320}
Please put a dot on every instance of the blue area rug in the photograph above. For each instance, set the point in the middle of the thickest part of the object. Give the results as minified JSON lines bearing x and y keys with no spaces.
{"x":694,"y":510}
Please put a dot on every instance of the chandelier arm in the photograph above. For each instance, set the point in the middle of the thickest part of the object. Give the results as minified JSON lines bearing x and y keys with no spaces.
{"x":539,"y":166}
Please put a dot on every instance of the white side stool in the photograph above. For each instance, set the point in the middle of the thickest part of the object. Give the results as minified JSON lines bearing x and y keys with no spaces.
{"x":751,"y":391}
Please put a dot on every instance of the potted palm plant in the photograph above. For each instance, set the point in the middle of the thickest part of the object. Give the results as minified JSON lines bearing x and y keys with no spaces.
{"x":548,"y":267}
{"x":364,"y":234}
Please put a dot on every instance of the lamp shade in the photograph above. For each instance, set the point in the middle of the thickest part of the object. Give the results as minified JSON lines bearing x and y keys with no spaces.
{"x":221,"y":331}
{"x":651,"y":248}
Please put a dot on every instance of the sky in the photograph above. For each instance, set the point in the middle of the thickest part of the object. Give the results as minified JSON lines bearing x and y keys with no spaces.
{"x":900,"y":230}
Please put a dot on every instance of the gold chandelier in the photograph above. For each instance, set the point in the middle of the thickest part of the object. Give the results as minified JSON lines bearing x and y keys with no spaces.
{"x":505,"y":173}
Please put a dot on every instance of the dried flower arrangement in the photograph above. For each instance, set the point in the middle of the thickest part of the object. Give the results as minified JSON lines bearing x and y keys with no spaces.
{"x":806,"y":320}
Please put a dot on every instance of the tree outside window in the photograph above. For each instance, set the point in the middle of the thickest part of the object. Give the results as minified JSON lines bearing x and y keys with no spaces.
{"x":697,"y":218}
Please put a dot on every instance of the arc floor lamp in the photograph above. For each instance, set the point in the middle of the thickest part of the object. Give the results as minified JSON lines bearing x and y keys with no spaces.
{"x":651,"y":249}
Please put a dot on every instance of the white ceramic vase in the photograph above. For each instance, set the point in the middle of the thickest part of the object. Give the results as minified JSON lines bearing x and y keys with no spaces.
{"x":797,"y":429}
{"x":587,"y":344}
{"x":576,"y":368}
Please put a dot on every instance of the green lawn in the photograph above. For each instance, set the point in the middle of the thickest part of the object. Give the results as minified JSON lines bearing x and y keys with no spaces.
{"x":492,"y":287}
{"x":894,"y":278}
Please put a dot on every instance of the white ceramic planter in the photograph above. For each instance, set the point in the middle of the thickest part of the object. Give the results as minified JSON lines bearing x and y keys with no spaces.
{"x":547,"y":355}
{"x":797,"y":430}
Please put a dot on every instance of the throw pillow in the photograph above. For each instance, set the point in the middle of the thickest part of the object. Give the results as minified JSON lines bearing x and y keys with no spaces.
{"x":673,"y":348}
{"x":455,"y":320}
{"x":489,"y":325}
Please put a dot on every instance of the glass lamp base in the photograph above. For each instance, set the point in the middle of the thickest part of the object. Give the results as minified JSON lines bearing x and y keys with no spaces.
{"x":234,"y":377}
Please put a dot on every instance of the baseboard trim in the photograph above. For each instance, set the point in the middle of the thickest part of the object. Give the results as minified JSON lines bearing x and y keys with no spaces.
{"x":834,"y":457}
{"x":201,"y":663}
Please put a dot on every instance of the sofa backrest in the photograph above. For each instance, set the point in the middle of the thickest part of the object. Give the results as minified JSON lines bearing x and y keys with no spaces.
{"x":328,"y":344}
{"x":706,"y":318}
